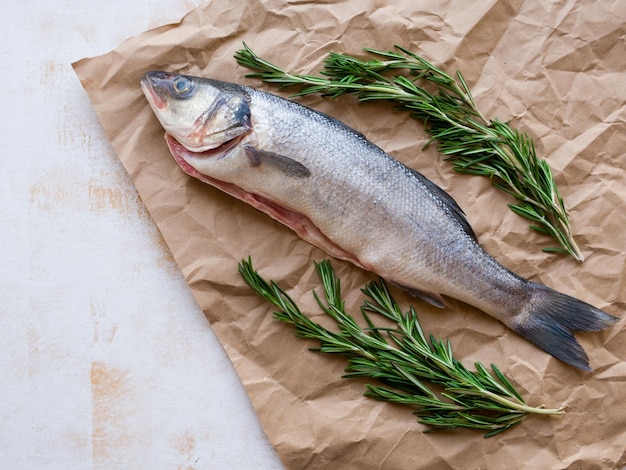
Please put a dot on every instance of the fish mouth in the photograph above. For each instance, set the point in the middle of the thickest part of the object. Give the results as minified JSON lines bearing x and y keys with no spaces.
{"x":156,"y":100}
{"x":182,"y":154}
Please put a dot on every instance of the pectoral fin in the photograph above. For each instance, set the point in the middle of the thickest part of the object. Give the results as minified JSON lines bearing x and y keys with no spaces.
{"x":286,"y":165}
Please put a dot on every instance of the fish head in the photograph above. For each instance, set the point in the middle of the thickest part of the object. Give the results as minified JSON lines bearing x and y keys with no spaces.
{"x":200,"y":114}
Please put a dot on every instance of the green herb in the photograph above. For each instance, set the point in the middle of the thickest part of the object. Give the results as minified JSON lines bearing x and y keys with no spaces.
{"x":445,"y":104}
{"x":406,"y":364}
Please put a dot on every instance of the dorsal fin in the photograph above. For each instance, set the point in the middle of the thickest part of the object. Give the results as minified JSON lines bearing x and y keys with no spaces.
{"x":447,"y":201}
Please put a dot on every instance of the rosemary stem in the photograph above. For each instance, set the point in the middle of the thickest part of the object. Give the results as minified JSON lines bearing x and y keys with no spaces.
{"x":522,"y":407}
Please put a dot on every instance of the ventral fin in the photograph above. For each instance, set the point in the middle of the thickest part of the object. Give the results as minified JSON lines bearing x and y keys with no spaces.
{"x":428,"y":297}
{"x":285,"y":165}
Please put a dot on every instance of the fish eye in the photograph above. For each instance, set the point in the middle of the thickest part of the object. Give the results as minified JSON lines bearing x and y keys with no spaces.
{"x":182,"y":86}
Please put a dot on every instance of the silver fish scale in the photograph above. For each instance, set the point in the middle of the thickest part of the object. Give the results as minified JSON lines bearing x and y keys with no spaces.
{"x":357,"y":193}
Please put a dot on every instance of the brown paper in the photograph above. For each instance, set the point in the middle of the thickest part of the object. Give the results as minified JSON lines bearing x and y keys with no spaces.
{"x":558,"y":71}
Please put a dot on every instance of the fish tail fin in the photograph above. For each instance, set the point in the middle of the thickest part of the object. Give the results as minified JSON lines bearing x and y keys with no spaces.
{"x":550,"y":318}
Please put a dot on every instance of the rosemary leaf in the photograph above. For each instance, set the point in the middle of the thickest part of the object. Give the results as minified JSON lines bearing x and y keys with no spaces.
{"x":410,"y":369}
{"x":474,"y":144}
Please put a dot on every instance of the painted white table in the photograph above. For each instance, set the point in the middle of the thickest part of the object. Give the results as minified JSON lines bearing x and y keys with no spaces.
{"x":107,"y":362}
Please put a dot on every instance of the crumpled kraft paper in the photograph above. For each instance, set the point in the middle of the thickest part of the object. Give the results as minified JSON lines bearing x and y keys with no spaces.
{"x":557,"y":70}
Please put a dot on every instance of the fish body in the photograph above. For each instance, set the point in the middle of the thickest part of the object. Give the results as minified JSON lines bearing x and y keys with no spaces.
{"x":342,"y":193}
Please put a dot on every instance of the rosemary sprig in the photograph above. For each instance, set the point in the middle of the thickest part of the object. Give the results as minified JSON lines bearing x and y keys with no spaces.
{"x":474,"y":144}
{"x":405,"y":363}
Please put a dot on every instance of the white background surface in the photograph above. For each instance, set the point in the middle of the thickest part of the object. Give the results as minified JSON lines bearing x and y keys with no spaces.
{"x":107,"y":362}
